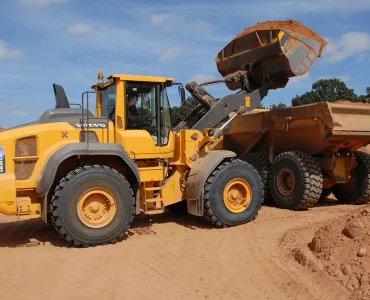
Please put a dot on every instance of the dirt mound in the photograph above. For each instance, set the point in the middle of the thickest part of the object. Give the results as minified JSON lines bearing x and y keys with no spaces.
{"x":289,"y":25}
{"x":1,"y":129}
{"x":347,"y":102}
{"x":343,"y":249}
{"x":365,"y":149}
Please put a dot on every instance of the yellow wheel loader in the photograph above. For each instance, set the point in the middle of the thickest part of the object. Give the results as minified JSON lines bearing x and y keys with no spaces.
{"x":90,"y":174}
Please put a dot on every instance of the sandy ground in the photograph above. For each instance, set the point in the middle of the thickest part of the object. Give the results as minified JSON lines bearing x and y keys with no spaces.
{"x":171,"y":256}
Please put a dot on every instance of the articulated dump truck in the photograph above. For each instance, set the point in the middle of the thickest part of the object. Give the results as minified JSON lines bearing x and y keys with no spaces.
{"x":306,"y":153}
{"x":89,"y":174}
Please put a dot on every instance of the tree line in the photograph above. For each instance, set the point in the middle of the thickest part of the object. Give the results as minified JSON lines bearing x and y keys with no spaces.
{"x":323,"y":90}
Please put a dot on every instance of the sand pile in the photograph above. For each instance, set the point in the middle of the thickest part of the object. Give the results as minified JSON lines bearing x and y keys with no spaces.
{"x":347,"y":102}
{"x":365,"y":149}
{"x":343,"y":251}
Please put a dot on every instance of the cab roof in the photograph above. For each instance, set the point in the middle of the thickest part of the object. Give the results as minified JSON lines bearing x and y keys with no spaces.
{"x":141,"y":78}
{"x":138,"y":78}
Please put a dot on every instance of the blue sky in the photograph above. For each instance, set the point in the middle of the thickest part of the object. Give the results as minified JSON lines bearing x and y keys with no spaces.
{"x":69,"y":41}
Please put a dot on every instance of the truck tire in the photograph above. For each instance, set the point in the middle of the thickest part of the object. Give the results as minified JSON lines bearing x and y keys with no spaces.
{"x":295,"y":181}
{"x":357,"y":191}
{"x":260,"y":161}
{"x":92,"y":205}
{"x":233,"y":194}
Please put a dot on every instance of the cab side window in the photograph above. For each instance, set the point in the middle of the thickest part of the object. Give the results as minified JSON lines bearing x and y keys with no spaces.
{"x":165,"y":116}
{"x":141,"y":107}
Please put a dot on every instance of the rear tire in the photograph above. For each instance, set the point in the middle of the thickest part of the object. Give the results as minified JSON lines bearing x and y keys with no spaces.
{"x":357,"y":191}
{"x":243,"y":186}
{"x":260,"y":161}
{"x":92,"y":205}
{"x":295,"y":181}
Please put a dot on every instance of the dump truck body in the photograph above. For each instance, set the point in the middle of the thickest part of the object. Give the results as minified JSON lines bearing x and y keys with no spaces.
{"x":312,"y":128}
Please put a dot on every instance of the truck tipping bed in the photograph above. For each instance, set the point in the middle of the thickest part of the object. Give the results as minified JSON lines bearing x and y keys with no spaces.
{"x":313,"y":128}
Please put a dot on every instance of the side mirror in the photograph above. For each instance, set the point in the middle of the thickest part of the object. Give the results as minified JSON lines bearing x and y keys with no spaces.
{"x":182,"y":93}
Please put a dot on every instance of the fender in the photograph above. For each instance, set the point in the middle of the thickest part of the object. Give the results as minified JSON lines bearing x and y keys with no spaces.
{"x":46,"y":178}
{"x":198,"y":176}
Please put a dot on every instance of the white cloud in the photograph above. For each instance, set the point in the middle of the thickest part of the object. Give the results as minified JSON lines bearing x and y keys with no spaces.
{"x":200,"y":25}
{"x":361,"y":57}
{"x":202,"y":78}
{"x":18,"y":113}
{"x":299,"y":79}
{"x":41,"y":2}
{"x":160,"y":19}
{"x":6,"y":53}
{"x":79,"y":29}
{"x":170,"y":53}
{"x":343,"y":78}
{"x":328,"y":6}
{"x":350,"y":44}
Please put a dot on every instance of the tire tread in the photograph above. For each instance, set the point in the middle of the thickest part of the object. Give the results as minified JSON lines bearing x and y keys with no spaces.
{"x":56,"y":198}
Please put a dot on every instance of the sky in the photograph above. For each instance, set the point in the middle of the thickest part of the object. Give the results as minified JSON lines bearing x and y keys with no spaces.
{"x":69,"y":41}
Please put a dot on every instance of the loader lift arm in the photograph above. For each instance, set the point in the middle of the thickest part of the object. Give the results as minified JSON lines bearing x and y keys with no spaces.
{"x":211,"y":112}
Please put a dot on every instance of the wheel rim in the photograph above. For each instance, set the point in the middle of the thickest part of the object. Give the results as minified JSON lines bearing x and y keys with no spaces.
{"x":286,"y":181}
{"x":96,"y":208}
{"x":237,"y":195}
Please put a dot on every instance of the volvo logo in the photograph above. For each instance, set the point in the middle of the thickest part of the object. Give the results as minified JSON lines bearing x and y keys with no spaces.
{"x":92,"y":125}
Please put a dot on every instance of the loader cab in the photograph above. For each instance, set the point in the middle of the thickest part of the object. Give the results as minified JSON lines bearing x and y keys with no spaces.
{"x":139,"y":108}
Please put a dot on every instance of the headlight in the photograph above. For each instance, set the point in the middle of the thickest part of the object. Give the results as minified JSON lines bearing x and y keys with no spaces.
{"x":26,"y":147}
{"x":25,"y":157}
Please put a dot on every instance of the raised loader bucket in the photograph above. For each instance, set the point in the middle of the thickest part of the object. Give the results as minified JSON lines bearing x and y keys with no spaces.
{"x":272,"y":52}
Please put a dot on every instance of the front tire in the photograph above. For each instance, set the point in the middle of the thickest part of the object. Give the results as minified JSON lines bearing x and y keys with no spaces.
{"x":233,"y":194}
{"x":357,"y":191}
{"x":295,"y":181}
{"x":92,"y":205}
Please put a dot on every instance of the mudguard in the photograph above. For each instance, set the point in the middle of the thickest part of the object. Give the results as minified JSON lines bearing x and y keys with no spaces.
{"x":198,"y":176}
{"x":46,"y":179}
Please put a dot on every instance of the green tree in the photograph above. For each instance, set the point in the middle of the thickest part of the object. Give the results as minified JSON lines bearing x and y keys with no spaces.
{"x":178,"y":113}
{"x":329,"y":90}
{"x":365,"y":98}
{"x":280,"y":105}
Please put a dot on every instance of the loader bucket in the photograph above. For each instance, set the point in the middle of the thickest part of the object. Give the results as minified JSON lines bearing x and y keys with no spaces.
{"x":272,"y":52}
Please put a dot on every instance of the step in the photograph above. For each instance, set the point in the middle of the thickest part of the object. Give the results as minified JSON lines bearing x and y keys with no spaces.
{"x":154,"y":211}
{"x":153,"y":200}
{"x":156,"y":188}
{"x":158,"y":205}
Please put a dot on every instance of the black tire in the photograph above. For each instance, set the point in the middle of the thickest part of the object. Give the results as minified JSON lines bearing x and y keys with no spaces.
{"x":215,"y":210}
{"x":357,"y":191}
{"x":63,"y":206}
{"x":306,"y":190}
{"x":260,"y":161}
{"x":325,"y":194}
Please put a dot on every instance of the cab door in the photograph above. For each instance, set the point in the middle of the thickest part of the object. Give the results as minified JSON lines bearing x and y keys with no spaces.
{"x":147,"y":130}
